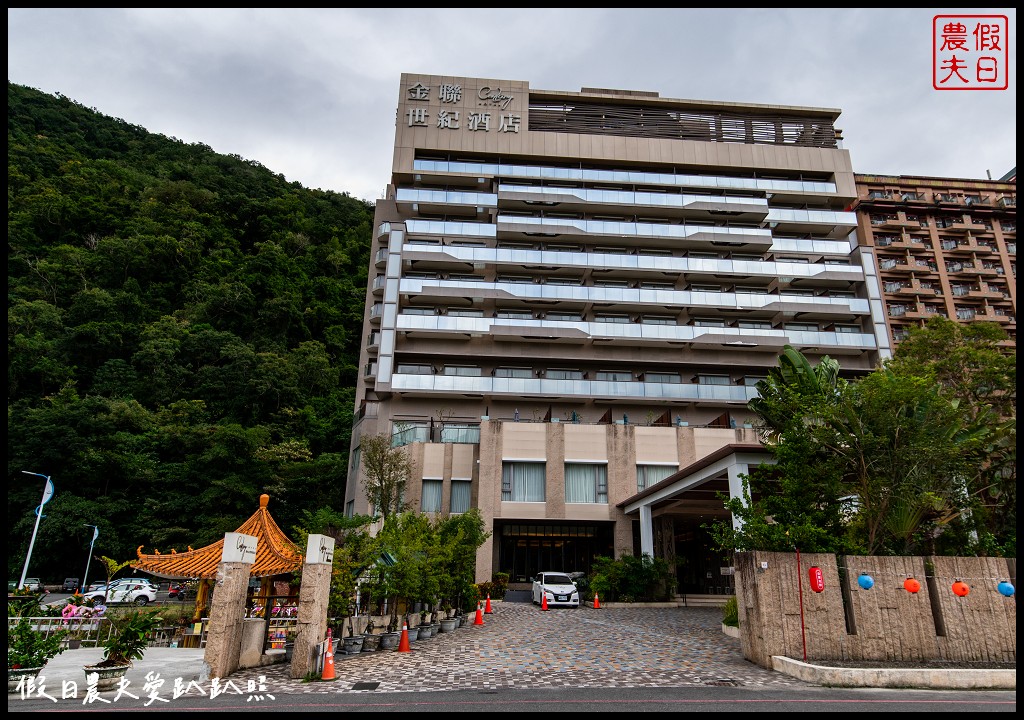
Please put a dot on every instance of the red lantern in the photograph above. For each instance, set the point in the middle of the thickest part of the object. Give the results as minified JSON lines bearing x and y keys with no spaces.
{"x":911,"y":585}
{"x":960,"y":588}
{"x":817,"y":579}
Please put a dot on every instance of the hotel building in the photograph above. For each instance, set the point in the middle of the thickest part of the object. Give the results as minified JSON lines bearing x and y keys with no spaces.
{"x":944,"y":247}
{"x":572,"y":296}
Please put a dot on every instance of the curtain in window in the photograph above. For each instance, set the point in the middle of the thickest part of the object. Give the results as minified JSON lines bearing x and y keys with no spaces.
{"x":431,"y":496}
{"x":522,"y":481}
{"x":586,"y":483}
{"x":647,"y":475}
{"x":460,"y":495}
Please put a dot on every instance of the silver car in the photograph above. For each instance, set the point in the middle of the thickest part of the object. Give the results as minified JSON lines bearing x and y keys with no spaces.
{"x":558,"y":587}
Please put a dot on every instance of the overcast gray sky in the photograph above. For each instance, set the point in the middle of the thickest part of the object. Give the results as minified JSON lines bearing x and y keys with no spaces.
{"x":311,"y":94}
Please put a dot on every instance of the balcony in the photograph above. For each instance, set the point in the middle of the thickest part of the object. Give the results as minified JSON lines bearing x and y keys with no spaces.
{"x":380,"y":256}
{"x":948,"y":199}
{"x":1007,"y":203}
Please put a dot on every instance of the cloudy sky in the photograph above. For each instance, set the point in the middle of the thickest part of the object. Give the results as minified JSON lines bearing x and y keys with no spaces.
{"x":311,"y":94}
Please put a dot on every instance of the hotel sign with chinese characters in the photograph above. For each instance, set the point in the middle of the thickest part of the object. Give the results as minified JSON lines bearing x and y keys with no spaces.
{"x":970,"y":52}
{"x":487,"y":110}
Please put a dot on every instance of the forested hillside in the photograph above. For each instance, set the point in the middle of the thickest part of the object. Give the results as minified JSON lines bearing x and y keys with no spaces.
{"x":182,"y":334}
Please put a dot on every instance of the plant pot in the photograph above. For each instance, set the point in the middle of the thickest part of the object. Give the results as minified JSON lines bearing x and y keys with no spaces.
{"x":414,"y":633}
{"x":109,"y":676}
{"x":389,"y":641}
{"x":371,"y":642}
{"x":425,"y":632}
{"x":449,"y":624}
{"x":353,"y":645}
{"x":435,"y":628}
{"x":72,"y":644}
{"x":16,"y":675}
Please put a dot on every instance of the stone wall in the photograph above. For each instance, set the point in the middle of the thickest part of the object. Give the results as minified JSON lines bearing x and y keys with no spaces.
{"x":780,"y":613}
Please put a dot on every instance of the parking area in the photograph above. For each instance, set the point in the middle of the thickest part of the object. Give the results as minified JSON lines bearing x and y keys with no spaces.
{"x":521,"y":645}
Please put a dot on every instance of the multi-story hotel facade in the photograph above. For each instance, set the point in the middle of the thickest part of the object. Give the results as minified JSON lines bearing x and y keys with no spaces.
{"x":944,"y":246}
{"x":572,"y":296}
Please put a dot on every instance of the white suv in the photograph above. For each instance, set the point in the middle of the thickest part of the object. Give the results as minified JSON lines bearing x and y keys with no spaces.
{"x":125,"y":590}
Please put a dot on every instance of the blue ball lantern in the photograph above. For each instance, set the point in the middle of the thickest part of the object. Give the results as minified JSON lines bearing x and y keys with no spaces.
{"x":866,"y":582}
{"x":1005,"y":588}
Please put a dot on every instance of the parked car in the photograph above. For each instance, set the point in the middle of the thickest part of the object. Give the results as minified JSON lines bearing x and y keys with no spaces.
{"x":70,"y":585}
{"x":33,"y":584}
{"x":12,"y":585}
{"x":558,"y":587}
{"x":117,"y":594}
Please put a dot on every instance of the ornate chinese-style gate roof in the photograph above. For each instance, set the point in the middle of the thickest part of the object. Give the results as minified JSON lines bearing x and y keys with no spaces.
{"x":275,"y":553}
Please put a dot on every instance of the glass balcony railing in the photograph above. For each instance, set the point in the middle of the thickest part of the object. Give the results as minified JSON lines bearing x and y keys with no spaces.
{"x":628,"y":177}
{"x":653,"y":263}
{"x":637,"y":332}
{"x":632,"y":296}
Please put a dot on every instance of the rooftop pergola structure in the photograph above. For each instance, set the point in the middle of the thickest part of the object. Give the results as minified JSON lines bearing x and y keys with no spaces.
{"x":276,"y":555}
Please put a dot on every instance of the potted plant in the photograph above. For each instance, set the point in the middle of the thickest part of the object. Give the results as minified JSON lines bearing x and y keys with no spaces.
{"x":353,"y":643}
{"x":28,"y":651}
{"x":80,"y":616}
{"x":371,"y":642}
{"x":126,"y":643}
{"x":426,"y":631}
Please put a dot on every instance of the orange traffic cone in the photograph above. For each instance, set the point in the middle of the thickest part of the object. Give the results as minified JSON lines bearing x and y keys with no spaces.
{"x":328,"y":673}
{"x":597,"y":603}
{"x":487,"y":608}
{"x":543,"y":600}
{"x":479,"y":616}
{"x":403,"y":644}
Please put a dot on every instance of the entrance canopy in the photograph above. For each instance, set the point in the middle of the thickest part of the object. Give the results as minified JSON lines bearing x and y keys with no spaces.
{"x":693,"y":490}
{"x":276,"y":554}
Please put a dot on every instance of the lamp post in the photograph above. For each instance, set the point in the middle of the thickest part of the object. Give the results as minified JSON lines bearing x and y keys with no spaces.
{"x":47,"y":494}
{"x":85,"y":576}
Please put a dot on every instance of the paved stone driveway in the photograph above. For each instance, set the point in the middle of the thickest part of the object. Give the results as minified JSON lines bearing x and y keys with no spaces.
{"x":520,"y":645}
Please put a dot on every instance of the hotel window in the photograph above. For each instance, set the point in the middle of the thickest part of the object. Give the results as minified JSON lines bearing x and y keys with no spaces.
{"x":522,"y":481}
{"x":564,"y":374}
{"x":659,"y":253}
{"x":431,"y":500}
{"x":562,"y":281}
{"x":514,"y":314}
{"x":712,"y":379}
{"x":612,"y":283}
{"x":754,"y":325}
{"x":709,"y":323}
{"x":603,"y":318}
{"x":513,"y":372}
{"x":563,"y":317}
{"x":748,"y":290}
{"x":657,"y":286}
{"x":410,"y":369}
{"x":847,"y":328}
{"x":657,"y":377}
{"x":658,"y":320}
{"x":649,"y":475}
{"x":804,"y":327}
{"x":748,"y":258}
{"x":463,"y":370}
{"x":418,"y":311}
{"x":705,"y":288}
{"x":462,"y":312}
{"x":350,"y":508}
{"x":586,"y":483}
{"x":614,"y":376}
{"x":702,"y":255}
{"x":751,"y":381}
{"x":515,"y":278}
{"x":461,"y":493}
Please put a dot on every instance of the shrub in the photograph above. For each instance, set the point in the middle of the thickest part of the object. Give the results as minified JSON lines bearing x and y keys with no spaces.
{"x":731,"y":613}
{"x":632,"y":579}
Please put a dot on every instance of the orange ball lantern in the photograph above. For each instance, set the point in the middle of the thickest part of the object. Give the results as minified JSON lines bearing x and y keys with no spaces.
{"x":960,"y":588}
{"x":911,"y":585}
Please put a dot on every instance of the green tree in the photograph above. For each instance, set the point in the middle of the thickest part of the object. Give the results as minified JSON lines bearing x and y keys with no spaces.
{"x":386,"y":472}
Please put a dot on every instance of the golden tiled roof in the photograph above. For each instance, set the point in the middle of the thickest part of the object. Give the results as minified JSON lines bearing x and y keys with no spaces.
{"x":275,"y":553}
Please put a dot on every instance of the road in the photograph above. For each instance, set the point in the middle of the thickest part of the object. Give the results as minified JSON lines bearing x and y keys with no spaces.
{"x":525,"y":659}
